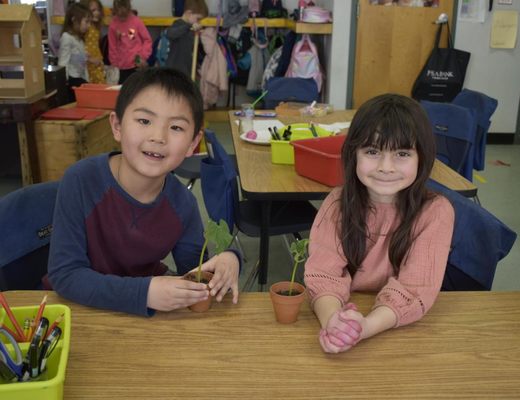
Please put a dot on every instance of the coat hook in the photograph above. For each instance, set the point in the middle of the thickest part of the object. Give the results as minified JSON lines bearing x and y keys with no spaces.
{"x":442,"y":19}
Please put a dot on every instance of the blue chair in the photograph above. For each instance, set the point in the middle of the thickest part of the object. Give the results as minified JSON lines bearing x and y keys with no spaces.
{"x":26,"y":224}
{"x":479,"y":242}
{"x":221,"y":198}
{"x":483,"y":106}
{"x":454,"y":128}
{"x":303,"y":90}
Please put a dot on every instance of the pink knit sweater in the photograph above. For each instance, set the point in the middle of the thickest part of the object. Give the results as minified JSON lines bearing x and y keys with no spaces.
{"x":413,"y":292}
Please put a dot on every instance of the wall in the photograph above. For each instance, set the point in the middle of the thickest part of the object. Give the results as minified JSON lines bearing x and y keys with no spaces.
{"x":495,"y":72}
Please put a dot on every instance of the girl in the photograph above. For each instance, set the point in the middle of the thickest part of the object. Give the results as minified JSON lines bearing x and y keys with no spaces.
{"x":96,"y":70}
{"x":72,"y":52}
{"x":129,"y":42}
{"x":382,"y":231}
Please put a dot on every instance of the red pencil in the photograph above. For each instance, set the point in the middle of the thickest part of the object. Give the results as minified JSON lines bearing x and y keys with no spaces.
{"x":19,"y":331}
{"x":38,"y":316}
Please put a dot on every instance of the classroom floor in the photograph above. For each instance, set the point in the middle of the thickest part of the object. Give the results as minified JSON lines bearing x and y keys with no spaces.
{"x":499,"y":193}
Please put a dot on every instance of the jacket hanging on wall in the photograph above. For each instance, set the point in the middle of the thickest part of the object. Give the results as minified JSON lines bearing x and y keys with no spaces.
{"x":442,"y":77}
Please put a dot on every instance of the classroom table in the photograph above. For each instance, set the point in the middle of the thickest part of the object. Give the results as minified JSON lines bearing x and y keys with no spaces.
{"x":264,"y":181}
{"x":467,"y":346}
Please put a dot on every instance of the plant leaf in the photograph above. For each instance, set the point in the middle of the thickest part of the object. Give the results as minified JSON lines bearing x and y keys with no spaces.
{"x":299,"y":250}
{"x":218,"y":234}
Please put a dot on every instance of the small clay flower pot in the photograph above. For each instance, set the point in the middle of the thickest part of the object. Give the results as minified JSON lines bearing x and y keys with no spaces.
{"x":286,"y":308}
{"x":201,"y":306}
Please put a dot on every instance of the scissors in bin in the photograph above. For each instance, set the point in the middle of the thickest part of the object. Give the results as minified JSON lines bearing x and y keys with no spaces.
{"x":14,"y":364}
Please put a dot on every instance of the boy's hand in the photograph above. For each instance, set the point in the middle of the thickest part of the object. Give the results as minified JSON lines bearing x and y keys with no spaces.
{"x":343,"y":330}
{"x":225,"y":268}
{"x":196,"y":27}
{"x":167,"y":293}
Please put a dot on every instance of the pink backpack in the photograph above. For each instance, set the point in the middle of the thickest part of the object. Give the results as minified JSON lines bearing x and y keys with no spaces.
{"x":254,"y":7}
{"x":305,"y":62}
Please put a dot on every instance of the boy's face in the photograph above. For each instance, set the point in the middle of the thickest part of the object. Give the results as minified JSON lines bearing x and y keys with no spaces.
{"x":156,"y":134}
{"x":192,"y":18}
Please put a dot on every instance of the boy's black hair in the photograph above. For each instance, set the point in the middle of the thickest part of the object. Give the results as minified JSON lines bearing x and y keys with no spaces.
{"x":174,"y":83}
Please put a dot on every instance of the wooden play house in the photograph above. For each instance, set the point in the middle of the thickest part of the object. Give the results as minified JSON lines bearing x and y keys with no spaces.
{"x":21,"y":60}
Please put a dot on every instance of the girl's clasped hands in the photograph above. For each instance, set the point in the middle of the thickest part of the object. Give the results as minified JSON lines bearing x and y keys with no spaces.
{"x":343,"y":330}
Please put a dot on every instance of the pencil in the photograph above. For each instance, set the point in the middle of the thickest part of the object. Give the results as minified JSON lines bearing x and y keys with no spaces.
{"x":19,"y":331}
{"x":55,"y":323}
{"x":38,"y":316}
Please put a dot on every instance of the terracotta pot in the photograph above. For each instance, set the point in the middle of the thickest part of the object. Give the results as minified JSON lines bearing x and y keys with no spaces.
{"x":201,"y":306}
{"x":286,"y":308}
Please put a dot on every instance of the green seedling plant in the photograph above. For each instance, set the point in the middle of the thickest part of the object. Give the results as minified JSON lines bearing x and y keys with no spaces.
{"x":218,"y":234}
{"x":299,"y":253}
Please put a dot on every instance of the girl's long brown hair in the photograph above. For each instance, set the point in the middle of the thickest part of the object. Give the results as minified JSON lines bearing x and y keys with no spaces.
{"x":75,"y":13}
{"x":98,"y":24}
{"x":389,"y":121}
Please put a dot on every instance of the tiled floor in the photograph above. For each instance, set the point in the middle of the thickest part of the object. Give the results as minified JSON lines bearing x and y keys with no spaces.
{"x":499,"y":192}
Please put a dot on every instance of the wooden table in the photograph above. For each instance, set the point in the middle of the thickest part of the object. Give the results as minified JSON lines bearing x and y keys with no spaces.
{"x":468,"y":347}
{"x":264,"y":181}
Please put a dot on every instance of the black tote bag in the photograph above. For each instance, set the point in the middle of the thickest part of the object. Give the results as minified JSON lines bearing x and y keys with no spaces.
{"x":442,"y":77}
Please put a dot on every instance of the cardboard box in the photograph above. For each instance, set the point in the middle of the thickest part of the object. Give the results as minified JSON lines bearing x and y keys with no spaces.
{"x":61,"y":143}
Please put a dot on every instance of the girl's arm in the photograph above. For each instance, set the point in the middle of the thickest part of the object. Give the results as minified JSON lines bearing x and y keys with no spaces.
{"x":113,"y":54}
{"x":146,"y":42}
{"x":65,"y":52}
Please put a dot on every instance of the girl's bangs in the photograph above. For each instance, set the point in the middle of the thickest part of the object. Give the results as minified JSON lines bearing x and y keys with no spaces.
{"x":391,"y":133}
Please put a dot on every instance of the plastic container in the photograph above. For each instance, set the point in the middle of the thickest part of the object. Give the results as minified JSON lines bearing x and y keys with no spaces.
{"x":281,"y":150}
{"x":319,"y":159}
{"x":96,"y":95}
{"x":49,"y":385}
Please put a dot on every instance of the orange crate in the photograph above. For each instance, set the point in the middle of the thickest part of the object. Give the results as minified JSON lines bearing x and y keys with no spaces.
{"x":96,"y":95}
{"x":319,"y":159}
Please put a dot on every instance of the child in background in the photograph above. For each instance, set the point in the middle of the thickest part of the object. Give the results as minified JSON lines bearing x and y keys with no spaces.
{"x":72,"y":54}
{"x":96,"y":70}
{"x":118,"y":215}
{"x":182,"y":33}
{"x":382,"y":231}
{"x":129,"y":42}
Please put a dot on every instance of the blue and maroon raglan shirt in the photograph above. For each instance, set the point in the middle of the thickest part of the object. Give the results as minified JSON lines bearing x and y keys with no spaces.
{"x":106,"y":246}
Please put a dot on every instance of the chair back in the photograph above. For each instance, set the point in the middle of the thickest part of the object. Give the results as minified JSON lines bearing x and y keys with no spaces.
{"x":454,"y":128}
{"x":479,"y":242}
{"x":26,"y":223}
{"x":218,"y":179}
{"x":303,"y":90}
{"x":483,"y":106}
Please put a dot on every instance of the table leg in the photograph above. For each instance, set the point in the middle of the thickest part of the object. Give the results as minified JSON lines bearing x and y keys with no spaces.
{"x":263,"y":262}
{"x":28,"y":153}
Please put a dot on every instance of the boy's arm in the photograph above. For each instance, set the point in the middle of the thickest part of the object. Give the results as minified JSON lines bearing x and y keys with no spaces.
{"x":70,"y":271}
{"x":178,"y":29}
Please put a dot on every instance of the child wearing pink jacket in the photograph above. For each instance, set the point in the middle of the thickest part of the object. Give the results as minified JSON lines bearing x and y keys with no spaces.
{"x":383,"y":231}
{"x":129,"y":42}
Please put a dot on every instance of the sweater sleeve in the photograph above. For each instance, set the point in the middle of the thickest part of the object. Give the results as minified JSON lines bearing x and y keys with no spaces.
{"x":113,"y":53}
{"x":146,"y":40}
{"x":65,"y":52}
{"x":70,"y":271}
{"x":178,"y":29}
{"x":414,"y":291}
{"x":325,"y":269}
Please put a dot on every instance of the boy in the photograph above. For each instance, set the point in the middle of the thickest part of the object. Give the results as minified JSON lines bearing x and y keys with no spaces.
{"x":117,"y":215}
{"x":181,"y":35}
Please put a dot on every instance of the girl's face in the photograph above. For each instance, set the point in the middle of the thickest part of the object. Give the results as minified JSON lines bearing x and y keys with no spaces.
{"x":122,"y":13}
{"x":84,"y":25}
{"x":386,"y":172}
{"x":94,"y":9}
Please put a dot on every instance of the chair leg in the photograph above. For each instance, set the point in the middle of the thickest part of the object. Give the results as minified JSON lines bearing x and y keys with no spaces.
{"x":477,"y":200}
{"x":239,"y":246}
{"x":251,"y":278}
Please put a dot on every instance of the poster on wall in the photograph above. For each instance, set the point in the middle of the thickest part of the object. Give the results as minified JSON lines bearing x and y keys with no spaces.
{"x":472,"y":10}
